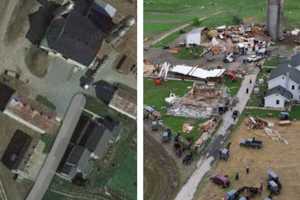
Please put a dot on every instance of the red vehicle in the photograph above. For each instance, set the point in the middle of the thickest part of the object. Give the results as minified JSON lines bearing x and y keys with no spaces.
{"x":221,"y":180}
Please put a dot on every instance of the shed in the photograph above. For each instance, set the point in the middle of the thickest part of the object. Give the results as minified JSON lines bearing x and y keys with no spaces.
{"x":193,"y":37}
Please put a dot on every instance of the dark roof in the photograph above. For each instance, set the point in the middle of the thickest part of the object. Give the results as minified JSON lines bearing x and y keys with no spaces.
{"x":95,"y":13}
{"x":92,"y":136}
{"x":75,"y":155}
{"x":39,"y":22}
{"x":284,"y":69}
{"x":105,"y":91}
{"x":108,"y":122}
{"x":5,"y":94}
{"x":16,"y":150}
{"x":295,"y":61}
{"x":280,"y":90}
{"x":75,"y":37}
{"x":80,"y":128}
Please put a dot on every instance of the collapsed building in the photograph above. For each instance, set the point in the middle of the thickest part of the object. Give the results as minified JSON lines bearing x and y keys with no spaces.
{"x":190,"y":72}
{"x":202,"y":101}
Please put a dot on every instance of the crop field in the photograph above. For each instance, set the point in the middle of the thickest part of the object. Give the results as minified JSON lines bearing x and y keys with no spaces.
{"x":161,"y":16}
{"x":282,"y":158}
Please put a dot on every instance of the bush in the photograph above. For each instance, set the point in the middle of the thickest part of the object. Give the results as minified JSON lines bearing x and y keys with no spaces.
{"x":236,"y":20}
{"x":196,"y":22}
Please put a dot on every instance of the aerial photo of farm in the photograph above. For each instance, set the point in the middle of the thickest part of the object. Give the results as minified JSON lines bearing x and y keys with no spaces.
{"x":221,"y":99}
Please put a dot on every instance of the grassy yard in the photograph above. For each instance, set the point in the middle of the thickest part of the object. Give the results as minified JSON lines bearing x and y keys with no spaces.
{"x":48,"y":140}
{"x":189,"y":53}
{"x":175,"y":124}
{"x":273,"y":61}
{"x":232,"y":85}
{"x":155,"y":95}
{"x":161,"y":15}
{"x":167,"y":40}
{"x":257,"y":99}
{"x":294,"y":113}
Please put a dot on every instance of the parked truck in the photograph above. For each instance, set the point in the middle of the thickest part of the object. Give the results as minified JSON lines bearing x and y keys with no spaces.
{"x":251,"y":143}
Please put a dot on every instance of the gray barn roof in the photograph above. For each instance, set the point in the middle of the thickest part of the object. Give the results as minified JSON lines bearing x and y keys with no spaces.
{"x":280,"y":90}
{"x":284,"y":69}
{"x":295,"y":61}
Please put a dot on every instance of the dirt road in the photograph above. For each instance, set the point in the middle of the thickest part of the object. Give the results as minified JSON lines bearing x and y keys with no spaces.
{"x":161,"y":179}
{"x":282,"y":158}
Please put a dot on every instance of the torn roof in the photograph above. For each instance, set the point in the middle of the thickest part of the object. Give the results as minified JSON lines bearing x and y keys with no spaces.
{"x":197,"y":72}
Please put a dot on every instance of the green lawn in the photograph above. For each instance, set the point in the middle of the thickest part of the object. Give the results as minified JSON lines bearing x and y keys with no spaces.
{"x":175,"y":124}
{"x":166,"y":41}
{"x":162,"y":13}
{"x":125,"y":177}
{"x":189,"y":53}
{"x":48,"y":140}
{"x":294,"y":114}
{"x":155,"y":95}
{"x":273,"y":61}
{"x":233,"y":85}
{"x":257,"y":99}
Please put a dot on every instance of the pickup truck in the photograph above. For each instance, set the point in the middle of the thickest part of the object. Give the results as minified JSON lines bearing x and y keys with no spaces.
{"x":251,"y":143}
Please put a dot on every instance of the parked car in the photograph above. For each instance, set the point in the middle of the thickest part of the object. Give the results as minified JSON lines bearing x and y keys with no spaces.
{"x":166,"y":136}
{"x":221,"y":180}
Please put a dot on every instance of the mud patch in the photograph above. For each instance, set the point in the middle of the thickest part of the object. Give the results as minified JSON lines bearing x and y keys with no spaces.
{"x":37,"y":61}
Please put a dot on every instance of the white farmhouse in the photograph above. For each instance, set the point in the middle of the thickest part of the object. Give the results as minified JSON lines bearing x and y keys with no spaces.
{"x":193,"y":37}
{"x":284,"y":84}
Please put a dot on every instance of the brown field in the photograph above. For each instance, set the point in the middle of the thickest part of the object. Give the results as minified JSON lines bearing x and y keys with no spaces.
{"x":283,"y":159}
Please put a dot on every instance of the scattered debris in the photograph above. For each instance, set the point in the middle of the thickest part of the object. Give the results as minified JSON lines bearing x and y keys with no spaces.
{"x":275,"y":135}
{"x":257,"y":123}
{"x":187,"y":128}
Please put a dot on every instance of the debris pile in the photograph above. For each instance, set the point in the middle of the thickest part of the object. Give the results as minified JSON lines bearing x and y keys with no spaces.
{"x":257,"y":123}
{"x":241,"y":40}
{"x":208,"y":128}
{"x":202,"y":101}
{"x":187,"y":128}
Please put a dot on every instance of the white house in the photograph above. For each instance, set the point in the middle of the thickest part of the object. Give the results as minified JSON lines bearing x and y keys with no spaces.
{"x":193,"y":37}
{"x":284,"y":84}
